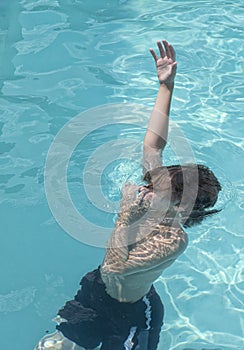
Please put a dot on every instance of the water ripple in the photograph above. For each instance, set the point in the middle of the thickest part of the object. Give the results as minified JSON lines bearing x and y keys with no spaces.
{"x":17,"y":300}
{"x":62,"y":57}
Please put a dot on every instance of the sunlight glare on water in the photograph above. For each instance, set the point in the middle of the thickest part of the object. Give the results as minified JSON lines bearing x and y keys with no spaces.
{"x":62,"y":57}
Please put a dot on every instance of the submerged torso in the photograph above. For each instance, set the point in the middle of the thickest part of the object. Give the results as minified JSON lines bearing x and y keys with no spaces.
{"x":129,"y":270}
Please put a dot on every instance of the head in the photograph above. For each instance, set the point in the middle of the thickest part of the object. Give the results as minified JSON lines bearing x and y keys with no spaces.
{"x":192,"y":189}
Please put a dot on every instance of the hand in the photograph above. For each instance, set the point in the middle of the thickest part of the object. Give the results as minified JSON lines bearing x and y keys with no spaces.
{"x":166,"y":64}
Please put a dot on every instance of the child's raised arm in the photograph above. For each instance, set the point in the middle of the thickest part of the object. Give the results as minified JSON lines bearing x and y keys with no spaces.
{"x":157,"y":131}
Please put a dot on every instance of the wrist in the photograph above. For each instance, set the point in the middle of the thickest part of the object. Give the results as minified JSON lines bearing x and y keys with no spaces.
{"x":168,"y":86}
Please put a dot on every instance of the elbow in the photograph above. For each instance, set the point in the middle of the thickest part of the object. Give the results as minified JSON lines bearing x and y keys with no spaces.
{"x":154,"y":144}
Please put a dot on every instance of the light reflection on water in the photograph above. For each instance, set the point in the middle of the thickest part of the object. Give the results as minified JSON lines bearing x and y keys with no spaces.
{"x":62,"y":57}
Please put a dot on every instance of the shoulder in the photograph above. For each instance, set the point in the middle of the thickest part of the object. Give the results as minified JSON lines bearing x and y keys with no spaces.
{"x":129,"y":190}
{"x":129,"y":194}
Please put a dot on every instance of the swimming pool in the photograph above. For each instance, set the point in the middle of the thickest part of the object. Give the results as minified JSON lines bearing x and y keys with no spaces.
{"x":63,"y":57}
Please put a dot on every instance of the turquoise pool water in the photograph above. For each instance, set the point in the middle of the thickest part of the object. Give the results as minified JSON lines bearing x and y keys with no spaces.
{"x":63,"y":57}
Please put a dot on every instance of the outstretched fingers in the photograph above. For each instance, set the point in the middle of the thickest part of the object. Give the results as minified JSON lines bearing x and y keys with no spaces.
{"x":161,"y":50}
{"x":165,"y":50}
{"x":154,"y":55}
{"x":172,"y":52}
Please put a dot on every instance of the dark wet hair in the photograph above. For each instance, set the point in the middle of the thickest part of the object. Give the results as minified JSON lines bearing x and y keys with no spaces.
{"x":202,"y":187}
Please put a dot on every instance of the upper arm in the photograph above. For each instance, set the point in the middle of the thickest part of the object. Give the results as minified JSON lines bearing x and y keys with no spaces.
{"x":152,"y":158}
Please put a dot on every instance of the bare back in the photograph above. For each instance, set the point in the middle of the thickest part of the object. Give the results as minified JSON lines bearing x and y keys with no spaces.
{"x":129,"y":269}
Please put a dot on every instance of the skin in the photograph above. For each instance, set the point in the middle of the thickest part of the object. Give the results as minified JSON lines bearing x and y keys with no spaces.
{"x":141,"y":247}
{"x":157,"y":131}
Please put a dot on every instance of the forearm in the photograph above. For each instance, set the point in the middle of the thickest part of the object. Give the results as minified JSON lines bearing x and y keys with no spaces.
{"x":157,"y":131}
